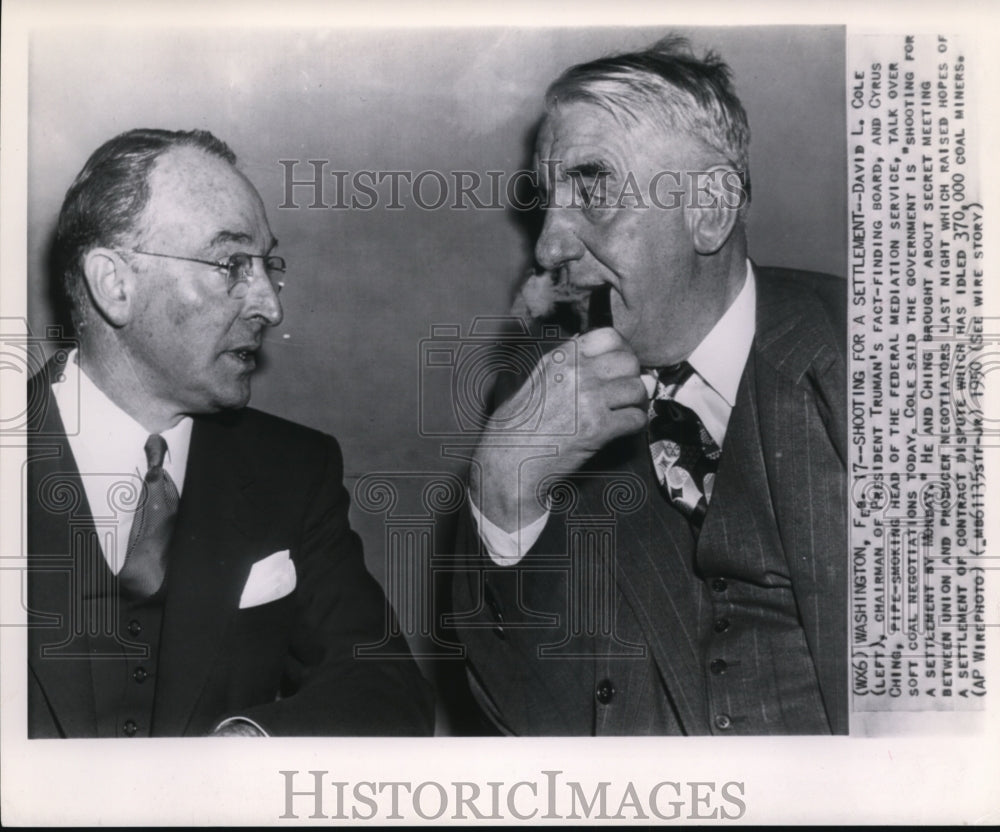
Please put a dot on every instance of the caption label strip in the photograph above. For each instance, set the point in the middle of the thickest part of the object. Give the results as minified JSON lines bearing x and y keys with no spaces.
{"x":918,"y":612}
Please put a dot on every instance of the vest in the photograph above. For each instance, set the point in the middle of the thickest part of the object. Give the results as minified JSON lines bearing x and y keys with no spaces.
{"x":122,"y":640}
{"x":757,"y":674}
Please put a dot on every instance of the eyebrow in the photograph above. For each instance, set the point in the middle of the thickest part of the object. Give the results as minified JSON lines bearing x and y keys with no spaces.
{"x":238,"y":237}
{"x":589,"y":169}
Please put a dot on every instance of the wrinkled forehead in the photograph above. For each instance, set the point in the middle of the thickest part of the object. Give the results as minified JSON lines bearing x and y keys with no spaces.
{"x":576,"y":126}
{"x":581,"y":132}
{"x":195,"y":196}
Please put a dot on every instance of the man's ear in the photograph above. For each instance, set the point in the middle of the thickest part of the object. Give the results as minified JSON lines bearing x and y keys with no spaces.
{"x":111,"y":283}
{"x":712,"y":209}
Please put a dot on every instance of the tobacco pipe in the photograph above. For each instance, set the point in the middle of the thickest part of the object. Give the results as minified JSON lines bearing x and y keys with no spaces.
{"x":599,"y":308}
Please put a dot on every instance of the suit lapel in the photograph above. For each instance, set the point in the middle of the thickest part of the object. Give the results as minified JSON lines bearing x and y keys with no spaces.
{"x":794,"y":396}
{"x":59,"y":525}
{"x":211,"y":553}
{"x":654,"y":556}
{"x":800,"y":400}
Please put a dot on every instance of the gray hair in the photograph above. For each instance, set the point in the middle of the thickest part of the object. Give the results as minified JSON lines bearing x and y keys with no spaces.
{"x":668,"y":85}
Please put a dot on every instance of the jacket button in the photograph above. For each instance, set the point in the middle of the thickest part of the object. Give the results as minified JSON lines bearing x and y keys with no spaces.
{"x":134,"y":627}
{"x":605,"y":691}
{"x":718,"y":666}
{"x":723,"y":722}
{"x":719,"y":584}
{"x":140,"y":674}
{"x":721,"y":625}
{"x":129,"y":728}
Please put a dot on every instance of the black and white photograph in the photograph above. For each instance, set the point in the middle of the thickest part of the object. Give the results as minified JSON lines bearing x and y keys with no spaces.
{"x":425,"y":416}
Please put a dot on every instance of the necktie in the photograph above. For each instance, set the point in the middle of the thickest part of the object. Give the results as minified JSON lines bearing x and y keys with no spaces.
{"x":684,"y":454}
{"x":145,"y":558}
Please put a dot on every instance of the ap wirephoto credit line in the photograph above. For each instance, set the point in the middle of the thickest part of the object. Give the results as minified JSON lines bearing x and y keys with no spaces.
{"x":921,"y":347}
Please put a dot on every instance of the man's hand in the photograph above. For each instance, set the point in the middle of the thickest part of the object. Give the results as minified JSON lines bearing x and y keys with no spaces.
{"x":237,"y":727}
{"x":592,"y":396}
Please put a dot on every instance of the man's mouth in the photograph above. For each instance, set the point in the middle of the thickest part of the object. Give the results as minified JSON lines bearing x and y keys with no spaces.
{"x":245,"y":355}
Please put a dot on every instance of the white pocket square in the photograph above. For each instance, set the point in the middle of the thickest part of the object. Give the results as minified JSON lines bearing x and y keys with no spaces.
{"x":270,"y":578}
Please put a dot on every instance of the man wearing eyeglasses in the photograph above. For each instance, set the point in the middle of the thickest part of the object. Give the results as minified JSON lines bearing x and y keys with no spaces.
{"x":193,"y":571}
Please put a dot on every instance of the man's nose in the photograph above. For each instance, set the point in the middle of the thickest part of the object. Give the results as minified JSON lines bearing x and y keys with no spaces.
{"x":262,"y":299}
{"x":558,"y":243}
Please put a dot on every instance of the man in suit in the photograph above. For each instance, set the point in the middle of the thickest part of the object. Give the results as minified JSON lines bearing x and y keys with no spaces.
{"x":666,"y":552}
{"x":191,"y":566}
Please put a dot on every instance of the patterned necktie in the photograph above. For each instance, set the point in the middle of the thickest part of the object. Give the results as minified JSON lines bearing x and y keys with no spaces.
{"x":146,"y":556}
{"x":684,"y":454}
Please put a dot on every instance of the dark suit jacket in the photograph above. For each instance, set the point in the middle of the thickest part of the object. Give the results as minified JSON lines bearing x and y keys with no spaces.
{"x":254,"y":485}
{"x":792,"y":406}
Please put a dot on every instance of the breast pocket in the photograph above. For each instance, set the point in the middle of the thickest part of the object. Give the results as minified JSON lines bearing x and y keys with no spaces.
{"x":256,"y":651}
{"x":269,"y":621}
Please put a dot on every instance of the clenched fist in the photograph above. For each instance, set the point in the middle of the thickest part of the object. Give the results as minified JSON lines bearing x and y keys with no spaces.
{"x":592,"y":396}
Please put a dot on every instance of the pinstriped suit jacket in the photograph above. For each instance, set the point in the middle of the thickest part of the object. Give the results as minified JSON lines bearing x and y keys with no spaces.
{"x":788,"y":427}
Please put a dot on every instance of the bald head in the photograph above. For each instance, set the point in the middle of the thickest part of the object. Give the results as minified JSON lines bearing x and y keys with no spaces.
{"x":108,"y":196}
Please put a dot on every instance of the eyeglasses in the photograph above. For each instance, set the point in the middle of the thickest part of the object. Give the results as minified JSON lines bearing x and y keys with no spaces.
{"x":238,"y":268}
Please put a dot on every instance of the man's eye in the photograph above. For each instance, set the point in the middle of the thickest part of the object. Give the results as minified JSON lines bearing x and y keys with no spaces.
{"x":592,"y":191}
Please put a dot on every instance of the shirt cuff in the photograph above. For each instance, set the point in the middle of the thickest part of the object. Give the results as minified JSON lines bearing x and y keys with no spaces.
{"x":506,"y":548}
{"x":242,"y":720}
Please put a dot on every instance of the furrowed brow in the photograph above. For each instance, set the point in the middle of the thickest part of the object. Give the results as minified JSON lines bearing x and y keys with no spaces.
{"x":239,"y":237}
{"x":229,"y":237}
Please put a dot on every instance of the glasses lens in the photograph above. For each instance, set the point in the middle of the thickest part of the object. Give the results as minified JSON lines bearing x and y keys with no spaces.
{"x":275,"y":268}
{"x":240,"y":267}
{"x":241,"y":271}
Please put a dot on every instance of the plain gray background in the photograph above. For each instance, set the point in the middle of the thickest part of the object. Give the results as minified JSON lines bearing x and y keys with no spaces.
{"x":365,"y":286}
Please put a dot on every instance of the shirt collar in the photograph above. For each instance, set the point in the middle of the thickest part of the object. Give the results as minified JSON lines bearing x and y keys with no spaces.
{"x":721,"y":356}
{"x":108,"y":440}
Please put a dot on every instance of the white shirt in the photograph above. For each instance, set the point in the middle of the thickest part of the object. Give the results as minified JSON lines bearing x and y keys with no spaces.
{"x":718,"y":363}
{"x":108,"y":448}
